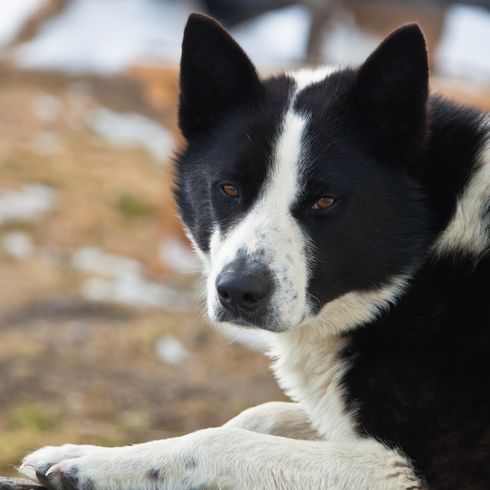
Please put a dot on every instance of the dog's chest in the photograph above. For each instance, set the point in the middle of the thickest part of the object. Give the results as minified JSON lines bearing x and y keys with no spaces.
{"x":310,"y":370}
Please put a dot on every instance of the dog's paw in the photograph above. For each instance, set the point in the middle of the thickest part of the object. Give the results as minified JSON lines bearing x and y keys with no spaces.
{"x":37,"y":464}
{"x":161,"y":464}
{"x":69,"y":474}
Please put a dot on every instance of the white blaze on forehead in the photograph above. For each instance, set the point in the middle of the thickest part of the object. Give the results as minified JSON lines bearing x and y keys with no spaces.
{"x":276,"y":197}
{"x":309,"y":76}
{"x":283,"y":184}
{"x":270,"y":230}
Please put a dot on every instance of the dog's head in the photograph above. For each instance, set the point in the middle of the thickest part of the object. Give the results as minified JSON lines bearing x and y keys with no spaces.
{"x":298,"y":190}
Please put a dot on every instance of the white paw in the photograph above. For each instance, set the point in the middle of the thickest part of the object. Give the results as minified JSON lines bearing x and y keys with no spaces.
{"x":143,"y":467}
{"x":38,"y":464}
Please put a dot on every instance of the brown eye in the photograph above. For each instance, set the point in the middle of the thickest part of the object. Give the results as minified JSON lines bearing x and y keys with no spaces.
{"x":230,"y":190}
{"x":324,"y":203}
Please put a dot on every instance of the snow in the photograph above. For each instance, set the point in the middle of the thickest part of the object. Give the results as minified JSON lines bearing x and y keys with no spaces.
{"x":120,"y":279}
{"x":47,"y":108}
{"x":463,"y":50}
{"x":171,"y":350}
{"x":17,"y":244}
{"x":26,"y":204}
{"x":276,"y":37}
{"x":107,"y":36}
{"x":280,"y":38}
{"x":94,"y":260}
{"x":45,"y":143}
{"x":13,"y":15}
{"x":132,"y":130}
{"x":344,"y":43}
{"x":135,"y":290}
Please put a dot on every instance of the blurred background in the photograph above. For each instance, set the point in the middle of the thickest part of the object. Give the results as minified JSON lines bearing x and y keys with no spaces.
{"x":101,"y":336}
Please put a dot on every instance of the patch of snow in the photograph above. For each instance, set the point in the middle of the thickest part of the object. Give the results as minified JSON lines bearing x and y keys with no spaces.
{"x":171,"y":350}
{"x":276,"y":37}
{"x":27,"y":204}
{"x":14,"y":14}
{"x":135,"y":290}
{"x":132,"y":130}
{"x":47,"y":108}
{"x":463,"y":49}
{"x":121,"y":279}
{"x":344,"y":43}
{"x":45,"y":143}
{"x":107,"y":36}
{"x":177,"y":256}
{"x":96,"y":261}
{"x":17,"y":244}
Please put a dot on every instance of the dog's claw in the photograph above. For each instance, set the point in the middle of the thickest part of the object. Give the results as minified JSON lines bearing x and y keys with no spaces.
{"x":41,"y":473}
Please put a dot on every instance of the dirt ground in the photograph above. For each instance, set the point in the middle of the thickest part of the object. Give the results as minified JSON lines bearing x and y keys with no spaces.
{"x":75,"y":370}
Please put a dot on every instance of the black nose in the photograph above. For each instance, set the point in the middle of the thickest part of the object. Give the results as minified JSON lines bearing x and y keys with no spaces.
{"x":242,"y":292}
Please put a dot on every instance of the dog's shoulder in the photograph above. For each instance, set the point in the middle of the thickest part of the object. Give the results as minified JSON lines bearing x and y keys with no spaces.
{"x":457,"y":177}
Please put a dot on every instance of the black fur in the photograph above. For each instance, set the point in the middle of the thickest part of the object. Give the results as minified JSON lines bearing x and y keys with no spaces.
{"x":396,"y":159}
{"x":238,"y":148}
{"x":215,"y":76}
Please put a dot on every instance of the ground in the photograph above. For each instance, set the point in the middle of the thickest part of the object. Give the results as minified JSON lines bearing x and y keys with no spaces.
{"x":83,"y":371}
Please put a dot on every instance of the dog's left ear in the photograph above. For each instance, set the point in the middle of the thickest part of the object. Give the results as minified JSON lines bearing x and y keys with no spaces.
{"x":390,"y":93}
{"x":215,"y":75}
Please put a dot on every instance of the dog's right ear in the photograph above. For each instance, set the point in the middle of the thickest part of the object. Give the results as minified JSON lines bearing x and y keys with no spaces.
{"x":215,"y":75}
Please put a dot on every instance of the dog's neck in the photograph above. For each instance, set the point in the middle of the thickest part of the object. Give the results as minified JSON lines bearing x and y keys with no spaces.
{"x":307,"y":360}
{"x":310,"y":371}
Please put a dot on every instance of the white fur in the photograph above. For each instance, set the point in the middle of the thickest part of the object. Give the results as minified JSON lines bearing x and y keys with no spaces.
{"x":359,"y":307}
{"x":310,"y":76}
{"x":285,"y":419}
{"x":308,"y":370}
{"x":231,"y":458}
{"x":469,"y":229}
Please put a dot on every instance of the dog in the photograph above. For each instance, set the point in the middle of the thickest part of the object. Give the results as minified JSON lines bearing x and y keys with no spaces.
{"x":346,"y":212}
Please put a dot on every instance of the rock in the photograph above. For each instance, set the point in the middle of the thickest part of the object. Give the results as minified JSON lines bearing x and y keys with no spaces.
{"x":18,"y":484}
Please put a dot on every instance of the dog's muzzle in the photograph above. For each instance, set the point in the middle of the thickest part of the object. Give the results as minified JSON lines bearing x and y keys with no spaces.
{"x":244,"y":293}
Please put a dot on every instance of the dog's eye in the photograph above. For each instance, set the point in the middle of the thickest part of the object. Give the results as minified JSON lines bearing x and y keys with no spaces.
{"x":230,"y":190}
{"x":324,"y":203}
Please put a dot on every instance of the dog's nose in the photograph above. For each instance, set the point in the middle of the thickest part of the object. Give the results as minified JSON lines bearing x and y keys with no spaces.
{"x":242,"y":292}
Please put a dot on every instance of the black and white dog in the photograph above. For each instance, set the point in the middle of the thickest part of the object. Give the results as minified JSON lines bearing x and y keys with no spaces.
{"x":347,"y":212}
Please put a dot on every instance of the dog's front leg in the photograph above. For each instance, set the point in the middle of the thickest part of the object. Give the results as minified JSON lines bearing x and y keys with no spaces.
{"x":229,"y":458}
{"x":285,"y":419}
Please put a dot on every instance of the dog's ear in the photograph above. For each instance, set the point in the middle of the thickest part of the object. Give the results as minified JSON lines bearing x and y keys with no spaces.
{"x":215,"y":75}
{"x":390,"y":93}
